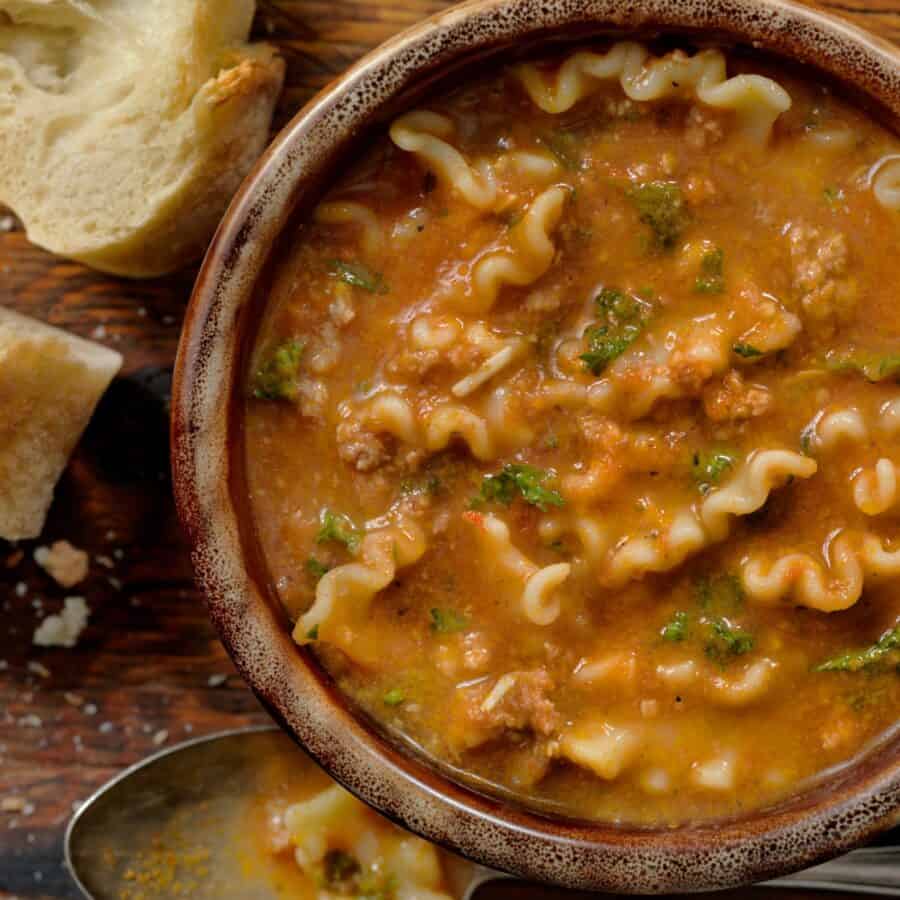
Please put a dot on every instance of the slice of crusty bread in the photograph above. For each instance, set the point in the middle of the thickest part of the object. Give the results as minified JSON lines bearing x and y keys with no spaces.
{"x":50,"y":382}
{"x":127,"y":125}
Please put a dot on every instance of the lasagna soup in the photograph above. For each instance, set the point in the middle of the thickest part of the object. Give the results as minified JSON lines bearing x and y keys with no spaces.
{"x":572,"y":431}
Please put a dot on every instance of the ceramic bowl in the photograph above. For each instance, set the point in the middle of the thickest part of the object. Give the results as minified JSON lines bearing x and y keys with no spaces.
{"x":826,"y":818}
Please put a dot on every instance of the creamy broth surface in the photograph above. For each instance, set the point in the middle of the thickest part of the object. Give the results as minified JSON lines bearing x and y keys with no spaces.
{"x":572,"y":431}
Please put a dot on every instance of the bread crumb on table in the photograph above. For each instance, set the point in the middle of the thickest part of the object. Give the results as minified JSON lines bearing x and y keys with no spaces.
{"x":63,"y":562}
{"x":38,"y":669}
{"x":63,"y":629}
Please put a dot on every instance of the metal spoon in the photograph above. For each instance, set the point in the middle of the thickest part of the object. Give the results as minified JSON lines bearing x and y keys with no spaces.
{"x":179,"y":816}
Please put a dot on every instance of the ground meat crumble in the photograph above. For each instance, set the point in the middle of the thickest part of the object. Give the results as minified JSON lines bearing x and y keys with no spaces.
{"x":525,"y":706}
{"x":732,"y":399}
{"x":361,"y":448}
{"x":820,"y":275}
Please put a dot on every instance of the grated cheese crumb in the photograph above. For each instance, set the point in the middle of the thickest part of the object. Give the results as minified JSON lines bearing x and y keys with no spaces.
{"x":39,"y":669}
{"x":12,"y":804}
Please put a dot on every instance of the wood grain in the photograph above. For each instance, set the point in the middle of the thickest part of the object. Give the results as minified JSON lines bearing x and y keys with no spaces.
{"x":140,"y":677}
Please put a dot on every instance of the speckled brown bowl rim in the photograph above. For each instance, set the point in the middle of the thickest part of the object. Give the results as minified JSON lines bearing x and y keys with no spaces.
{"x":838,"y":813}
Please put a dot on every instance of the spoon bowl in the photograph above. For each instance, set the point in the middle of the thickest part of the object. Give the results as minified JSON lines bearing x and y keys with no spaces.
{"x":174,"y":816}
{"x":185,"y":816}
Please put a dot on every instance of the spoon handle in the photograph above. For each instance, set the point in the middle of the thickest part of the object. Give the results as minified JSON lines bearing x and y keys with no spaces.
{"x":873,"y":870}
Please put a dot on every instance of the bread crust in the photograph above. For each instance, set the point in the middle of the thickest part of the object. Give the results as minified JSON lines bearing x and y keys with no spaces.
{"x":50,"y":383}
{"x":132,"y":179}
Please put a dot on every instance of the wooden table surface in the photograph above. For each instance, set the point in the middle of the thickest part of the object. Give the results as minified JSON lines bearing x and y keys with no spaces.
{"x":149,"y":670}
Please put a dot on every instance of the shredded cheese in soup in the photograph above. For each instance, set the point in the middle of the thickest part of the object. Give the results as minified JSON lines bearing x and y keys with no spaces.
{"x":573,"y":431}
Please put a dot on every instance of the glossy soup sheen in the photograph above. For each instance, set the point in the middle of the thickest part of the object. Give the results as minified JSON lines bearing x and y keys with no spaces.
{"x":573,"y":425}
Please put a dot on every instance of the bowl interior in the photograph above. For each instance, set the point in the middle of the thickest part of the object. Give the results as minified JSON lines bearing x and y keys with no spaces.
{"x":835,"y":811}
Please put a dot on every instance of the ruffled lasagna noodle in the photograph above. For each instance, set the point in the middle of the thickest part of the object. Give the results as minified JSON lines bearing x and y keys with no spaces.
{"x":572,"y":432}
{"x":757,"y":101}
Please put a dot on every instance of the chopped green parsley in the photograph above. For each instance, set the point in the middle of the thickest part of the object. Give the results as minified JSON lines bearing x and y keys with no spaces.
{"x":748,"y":351}
{"x":720,"y":599}
{"x":806,"y":440}
{"x":342,"y":874}
{"x":604,"y":347}
{"x":339,"y":528}
{"x":276,"y":378}
{"x":617,"y":306}
{"x":357,"y":275}
{"x":708,"y":468}
{"x":340,"y":870}
{"x":566,"y":147}
{"x":660,"y":205}
{"x":447,"y":621}
{"x":724,"y":641}
{"x":676,"y":630}
{"x":885,"y":651}
{"x":872,"y":366}
{"x":518,"y":479}
{"x":314,"y":568}
{"x":394,"y":697}
{"x":423,"y":483}
{"x":711,"y":279}
{"x":623,"y":317}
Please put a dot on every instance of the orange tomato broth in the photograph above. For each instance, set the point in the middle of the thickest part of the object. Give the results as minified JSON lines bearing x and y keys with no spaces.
{"x":629,"y":706}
